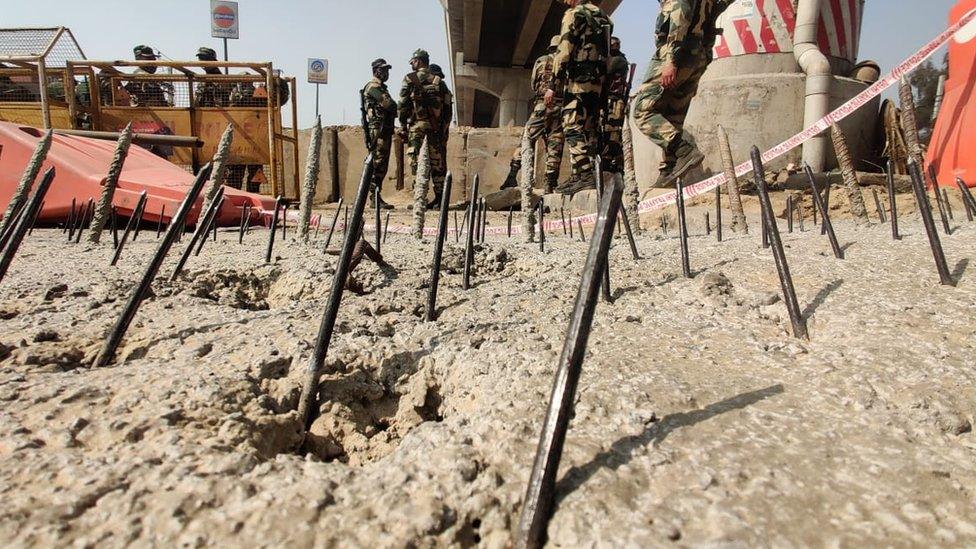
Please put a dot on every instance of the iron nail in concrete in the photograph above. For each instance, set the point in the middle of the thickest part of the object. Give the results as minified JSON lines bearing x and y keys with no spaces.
{"x":284,"y":221}
{"x":892,"y":203}
{"x":938,"y":200}
{"x":308,"y":401}
{"x":782,"y":267}
{"x":345,"y":220}
{"x":386,"y":227}
{"x":476,"y":217}
{"x":925,"y":210}
{"x":435,"y":268}
{"x":878,"y":206}
{"x":138,"y":225}
{"x":8,"y":231}
{"x":562,"y":217}
{"x":571,"y":236}
{"x":708,"y":224}
{"x":273,"y":231}
{"x":511,"y":211}
{"x":75,"y":219}
{"x":818,"y":202}
{"x":159,"y":223}
{"x":664,"y":225}
{"x":826,"y":203}
{"x":318,"y":226}
{"x":71,"y":214}
{"x":789,"y":213}
{"x":376,"y":202}
{"x":33,"y":222}
{"x":682,"y":228}
{"x":247,"y":221}
{"x":457,"y":228}
{"x":948,"y":205}
{"x":967,"y":198}
{"x":579,"y":225}
{"x":469,"y":237}
{"x":140,"y":204}
{"x":764,"y":232}
{"x":542,"y":224}
{"x":541,"y":491}
{"x":200,"y":234}
{"x":335,"y":219}
{"x":598,"y":176}
{"x":240,"y":228}
{"x":799,"y":213}
{"x":85,"y":218}
{"x":115,"y":228}
{"x":484,"y":218}
{"x":107,"y":354}
{"x":210,"y":220}
{"x":628,"y":230}
{"x":718,"y":213}
{"x":28,"y":211}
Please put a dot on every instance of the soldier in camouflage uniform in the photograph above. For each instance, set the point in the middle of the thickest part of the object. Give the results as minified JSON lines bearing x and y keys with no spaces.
{"x":448,"y":115}
{"x":544,"y":122}
{"x":615,"y":115}
{"x":424,"y":112}
{"x":211,"y":94}
{"x":580,"y":68}
{"x":147,"y":93}
{"x":379,"y":116}
{"x":685,"y":34}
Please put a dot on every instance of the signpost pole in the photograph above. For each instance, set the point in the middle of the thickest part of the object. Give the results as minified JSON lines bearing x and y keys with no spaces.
{"x":226,"y":69}
{"x":317,"y":100}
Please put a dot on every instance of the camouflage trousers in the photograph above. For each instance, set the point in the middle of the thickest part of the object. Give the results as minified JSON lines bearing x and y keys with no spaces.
{"x":381,"y":159}
{"x":438,"y":148}
{"x":660,"y":113}
{"x":612,"y":154}
{"x":580,"y":124}
{"x":546,"y":123}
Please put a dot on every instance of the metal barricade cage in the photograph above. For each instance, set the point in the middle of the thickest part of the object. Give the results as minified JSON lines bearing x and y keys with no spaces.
{"x":189,"y":99}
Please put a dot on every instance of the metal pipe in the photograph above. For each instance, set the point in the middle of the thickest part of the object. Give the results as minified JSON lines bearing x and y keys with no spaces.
{"x":816,"y":66}
{"x":541,"y":491}
{"x":107,"y":353}
{"x":128,"y":228}
{"x":682,"y":228}
{"x":782,"y":267}
{"x":469,"y":240}
{"x":28,"y":212}
{"x":138,"y":138}
{"x":435,"y":268}
{"x":274,"y":229}
{"x":892,"y":203}
{"x":307,"y":400}
{"x":818,"y":202}
{"x":925,"y":210}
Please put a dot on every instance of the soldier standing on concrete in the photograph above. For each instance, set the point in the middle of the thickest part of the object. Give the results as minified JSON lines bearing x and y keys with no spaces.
{"x":685,"y":34}
{"x":447,"y":115}
{"x":147,"y":93}
{"x":543,"y":122}
{"x":422,"y":115}
{"x":615,"y":115}
{"x":580,"y":67}
{"x":379,"y":115}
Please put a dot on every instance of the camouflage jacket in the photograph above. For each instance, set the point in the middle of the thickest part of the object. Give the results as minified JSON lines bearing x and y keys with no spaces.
{"x":542,"y":76}
{"x":580,"y":62}
{"x":618,"y":70}
{"x":381,"y":109}
{"x":687,"y":27}
{"x":424,"y":98}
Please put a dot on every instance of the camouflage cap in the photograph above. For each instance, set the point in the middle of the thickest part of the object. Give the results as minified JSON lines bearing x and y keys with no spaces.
{"x":142,"y":50}
{"x":381,"y":64}
{"x":436,"y":70}
{"x":421,"y":54}
{"x":207,"y":52}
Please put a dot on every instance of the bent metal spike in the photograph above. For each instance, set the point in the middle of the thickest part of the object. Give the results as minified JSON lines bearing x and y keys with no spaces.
{"x":925,"y":209}
{"x":782,"y":267}
{"x":825,"y":217}
{"x":541,"y":491}
{"x":435,"y":268}
{"x":133,"y":219}
{"x":107,"y":354}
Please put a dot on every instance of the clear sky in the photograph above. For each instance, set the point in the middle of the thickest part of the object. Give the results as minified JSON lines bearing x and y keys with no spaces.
{"x":351,"y":33}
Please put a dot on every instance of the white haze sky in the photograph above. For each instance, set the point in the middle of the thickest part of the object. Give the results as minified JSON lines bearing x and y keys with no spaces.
{"x":353,"y":33}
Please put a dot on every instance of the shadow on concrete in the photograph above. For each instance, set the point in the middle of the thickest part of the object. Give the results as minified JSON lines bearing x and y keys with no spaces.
{"x":821,"y":297}
{"x":621,"y":451}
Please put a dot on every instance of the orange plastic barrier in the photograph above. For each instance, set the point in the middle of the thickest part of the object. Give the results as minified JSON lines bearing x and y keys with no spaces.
{"x":954,"y":136}
{"x":82,"y":165}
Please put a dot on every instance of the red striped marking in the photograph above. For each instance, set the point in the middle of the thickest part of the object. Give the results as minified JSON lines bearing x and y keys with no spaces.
{"x":765,"y":31}
{"x":722,"y":48}
{"x":839,"y":27}
{"x":822,"y":39}
{"x":855,"y":33}
{"x":789,"y":16}
{"x":746,"y":38}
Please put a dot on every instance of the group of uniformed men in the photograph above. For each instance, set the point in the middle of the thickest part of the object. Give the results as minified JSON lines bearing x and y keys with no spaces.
{"x":582,"y":92}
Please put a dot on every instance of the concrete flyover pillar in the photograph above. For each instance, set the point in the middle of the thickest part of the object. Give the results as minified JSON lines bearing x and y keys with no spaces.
{"x":513,"y":108}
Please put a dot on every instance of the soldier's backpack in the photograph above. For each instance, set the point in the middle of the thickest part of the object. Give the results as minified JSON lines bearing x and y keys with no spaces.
{"x":589,"y":63}
{"x":426,"y":96}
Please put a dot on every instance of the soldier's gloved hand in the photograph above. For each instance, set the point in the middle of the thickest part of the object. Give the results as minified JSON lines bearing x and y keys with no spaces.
{"x":549,"y":98}
{"x":669,"y":73}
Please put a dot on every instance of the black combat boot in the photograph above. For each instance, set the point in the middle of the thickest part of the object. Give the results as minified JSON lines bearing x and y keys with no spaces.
{"x":383,"y":204}
{"x":576,"y":183}
{"x":510,"y":181}
{"x":435,"y":204}
{"x":688,"y":157}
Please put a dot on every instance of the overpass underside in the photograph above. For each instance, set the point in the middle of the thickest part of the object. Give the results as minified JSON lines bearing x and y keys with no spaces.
{"x":494,"y":44}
